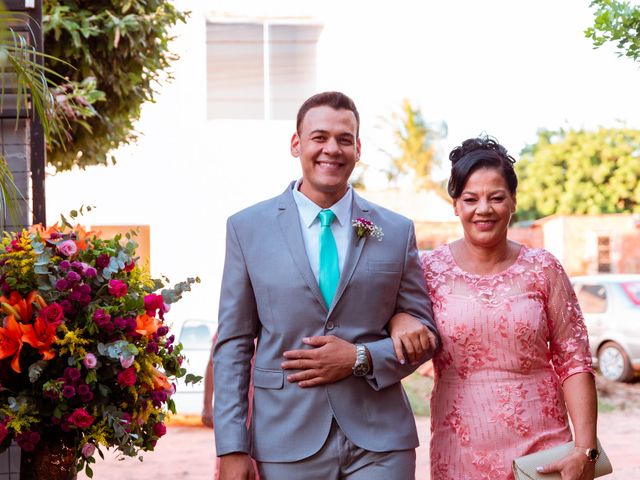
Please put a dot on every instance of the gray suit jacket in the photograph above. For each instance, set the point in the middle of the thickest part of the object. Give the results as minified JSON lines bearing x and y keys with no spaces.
{"x":269,"y":292}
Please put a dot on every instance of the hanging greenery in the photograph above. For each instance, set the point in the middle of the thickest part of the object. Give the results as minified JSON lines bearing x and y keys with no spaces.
{"x":117,"y":53}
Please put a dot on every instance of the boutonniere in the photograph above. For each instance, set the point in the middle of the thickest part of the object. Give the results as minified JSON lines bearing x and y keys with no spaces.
{"x":366,"y":228}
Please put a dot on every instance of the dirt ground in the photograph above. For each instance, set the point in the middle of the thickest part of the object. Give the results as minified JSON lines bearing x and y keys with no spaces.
{"x":188,"y":452}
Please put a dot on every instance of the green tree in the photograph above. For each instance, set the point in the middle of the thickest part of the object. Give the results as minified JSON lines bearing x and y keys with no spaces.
{"x":617,"y":22}
{"x":580,"y":172}
{"x":416,"y":153}
{"x":117,"y":53}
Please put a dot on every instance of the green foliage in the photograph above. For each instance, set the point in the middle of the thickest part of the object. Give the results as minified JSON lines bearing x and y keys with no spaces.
{"x":414,"y":140}
{"x":617,"y":22}
{"x":119,"y":50}
{"x":418,"y":390}
{"x":580,"y":172}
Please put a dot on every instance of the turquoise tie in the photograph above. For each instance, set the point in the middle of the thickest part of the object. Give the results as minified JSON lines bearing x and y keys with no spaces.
{"x":329,"y":271}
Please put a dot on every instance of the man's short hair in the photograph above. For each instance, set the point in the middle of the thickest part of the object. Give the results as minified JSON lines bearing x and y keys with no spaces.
{"x":335,"y":100}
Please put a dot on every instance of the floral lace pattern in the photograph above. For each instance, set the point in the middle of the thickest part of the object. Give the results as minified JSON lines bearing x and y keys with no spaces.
{"x":509,"y":340}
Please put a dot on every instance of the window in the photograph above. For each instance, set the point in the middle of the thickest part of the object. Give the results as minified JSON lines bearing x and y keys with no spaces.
{"x":604,"y":254}
{"x":592,"y":298}
{"x":259,"y":70}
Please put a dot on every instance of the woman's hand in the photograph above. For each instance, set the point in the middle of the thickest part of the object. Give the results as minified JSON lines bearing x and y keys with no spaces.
{"x":411,"y":336}
{"x":575,"y":466}
{"x":207,"y":416}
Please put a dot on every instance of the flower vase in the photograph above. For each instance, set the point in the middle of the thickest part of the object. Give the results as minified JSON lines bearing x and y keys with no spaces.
{"x":53,"y":460}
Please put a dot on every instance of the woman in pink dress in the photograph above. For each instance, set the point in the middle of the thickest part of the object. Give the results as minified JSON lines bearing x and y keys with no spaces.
{"x":207,"y":410}
{"x":515,"y":356}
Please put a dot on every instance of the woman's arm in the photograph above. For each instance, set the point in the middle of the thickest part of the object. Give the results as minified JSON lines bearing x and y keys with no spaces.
{"x":580,"y":395}
{"x":207,"y":410}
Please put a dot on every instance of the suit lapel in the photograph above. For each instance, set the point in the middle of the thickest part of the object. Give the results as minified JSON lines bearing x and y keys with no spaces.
{"x":289,"y":221}
{"x":360,"y":208}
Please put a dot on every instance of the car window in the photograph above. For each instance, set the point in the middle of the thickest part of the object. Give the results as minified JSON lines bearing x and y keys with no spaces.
{"x":633,"y":291}
{"x":592,"y":298}
{"x":196,"y":335}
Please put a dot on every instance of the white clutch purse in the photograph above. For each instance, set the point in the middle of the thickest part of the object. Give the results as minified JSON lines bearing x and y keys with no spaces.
{"x":524,"y":468}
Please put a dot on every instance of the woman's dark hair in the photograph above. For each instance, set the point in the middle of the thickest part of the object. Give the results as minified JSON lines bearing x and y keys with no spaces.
{"x":476,"y":153}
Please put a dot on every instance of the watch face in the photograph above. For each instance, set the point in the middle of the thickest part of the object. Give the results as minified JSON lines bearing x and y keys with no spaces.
{"x":361,"y":370}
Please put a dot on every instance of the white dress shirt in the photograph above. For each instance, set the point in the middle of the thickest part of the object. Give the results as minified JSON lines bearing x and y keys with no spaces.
{"x":310,"y":224}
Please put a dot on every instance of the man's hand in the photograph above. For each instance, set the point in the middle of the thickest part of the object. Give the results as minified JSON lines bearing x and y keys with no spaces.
{"x":331,"y":360}
{"x":411,"y":336}
{"x":236,"y":466}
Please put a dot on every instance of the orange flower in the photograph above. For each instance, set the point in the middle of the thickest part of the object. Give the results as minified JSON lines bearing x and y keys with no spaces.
{"x":11,"y":342}
{"x":82,"y":235}
{"x":21,"y":308}
{"x":40,"y":336}
{"x":146,"y":325}
{"x":160,"y":380}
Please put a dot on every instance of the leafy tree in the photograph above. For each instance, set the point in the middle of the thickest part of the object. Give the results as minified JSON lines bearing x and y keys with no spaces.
{"x":117,"y":53}
{"x":579,"y":171}
{"x":617,"y":22}
{"x":415,"y":142}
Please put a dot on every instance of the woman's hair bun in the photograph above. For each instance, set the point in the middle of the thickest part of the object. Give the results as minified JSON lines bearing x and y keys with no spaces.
{"x":483,"y":142}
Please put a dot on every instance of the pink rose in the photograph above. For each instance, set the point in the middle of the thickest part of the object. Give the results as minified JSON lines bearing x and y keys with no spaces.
{"x":127,"y":377}
{"x":67,"y":248}
{"x":88,"y":449}
{"x":52,"y":314}
{"x":81,"y":418}
{"x":90,"y":361}
{"x":117,"y":288}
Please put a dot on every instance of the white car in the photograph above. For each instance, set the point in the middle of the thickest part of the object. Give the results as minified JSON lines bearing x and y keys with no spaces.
{"x":611,"y":307}
{"x":196,"y":337}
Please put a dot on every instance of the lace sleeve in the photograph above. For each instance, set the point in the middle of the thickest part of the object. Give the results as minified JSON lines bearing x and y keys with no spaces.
{"x":568,"y":339}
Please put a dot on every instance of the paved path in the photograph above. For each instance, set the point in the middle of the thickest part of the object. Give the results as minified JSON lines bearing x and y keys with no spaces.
{"x":188,"y":453}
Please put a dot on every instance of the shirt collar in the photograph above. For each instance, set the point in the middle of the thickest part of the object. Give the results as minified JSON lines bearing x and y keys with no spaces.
{"x":309,"y":210}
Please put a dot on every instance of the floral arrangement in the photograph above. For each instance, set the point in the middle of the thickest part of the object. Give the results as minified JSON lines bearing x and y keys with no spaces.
{"x":366,"y":228}
{"x":85,"y":354}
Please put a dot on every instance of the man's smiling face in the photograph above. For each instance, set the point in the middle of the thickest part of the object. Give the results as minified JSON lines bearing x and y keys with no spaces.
{"x":328,"y":148}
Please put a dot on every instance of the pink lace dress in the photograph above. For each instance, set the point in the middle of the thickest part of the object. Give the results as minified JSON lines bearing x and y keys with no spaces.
{"x":509,"y":340}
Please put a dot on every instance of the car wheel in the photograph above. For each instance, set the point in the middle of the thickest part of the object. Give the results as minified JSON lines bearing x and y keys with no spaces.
{"x":613,"y":363}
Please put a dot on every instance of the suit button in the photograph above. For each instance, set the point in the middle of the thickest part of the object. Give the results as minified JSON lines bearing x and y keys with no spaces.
{"x":330,"y":325}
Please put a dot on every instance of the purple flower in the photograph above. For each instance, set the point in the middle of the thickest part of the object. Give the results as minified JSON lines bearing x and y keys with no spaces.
{"x":159,"y":429}
{"x":68,"y":391}
{"x":62,"y":284}
{"x":90,"y":360}
{"x":100,"y":316}
{"x":120,"y":323}
{"x":88,"y":449}
{"x":67,"y":307}
{"x":83,"y":389}
{"x":73,"y":277}
{"x":78,"y":266}
{"x":102,"y":260}
{"x":64,"y":265}
{"x":75,"y":295}
{"x":72,"y":373}
{"x":90,"y":272}
{"x":162,"y":331}
{"x":152,"y":347}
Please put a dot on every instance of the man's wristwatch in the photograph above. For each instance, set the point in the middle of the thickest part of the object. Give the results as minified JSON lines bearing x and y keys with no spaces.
{"x":361,"y":367}
{"x":591,"y":453}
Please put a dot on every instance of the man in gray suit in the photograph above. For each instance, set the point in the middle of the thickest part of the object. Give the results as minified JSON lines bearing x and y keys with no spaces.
{"x":317,"y":293}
